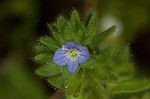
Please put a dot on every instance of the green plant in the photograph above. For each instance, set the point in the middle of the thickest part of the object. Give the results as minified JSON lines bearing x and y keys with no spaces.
{"x":108,"y":72}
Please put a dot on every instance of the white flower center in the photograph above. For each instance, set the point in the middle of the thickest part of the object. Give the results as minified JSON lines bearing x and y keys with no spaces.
{"x":73,"y":54}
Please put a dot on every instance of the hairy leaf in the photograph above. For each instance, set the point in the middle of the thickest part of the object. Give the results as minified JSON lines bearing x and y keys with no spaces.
{"x":54,"y":30}
{"x":80,"y":35}
{"x":88,"y":18}
{"x":92,"y":89}
{"x":89,"y":39}
{"x":49,"y":70}
{"x":124,"y":71}
{"x":103,"y":74}
{"x":56,"y":33}
{"x":40,"y":49}
{"x":56,"y":81}
{"x":67,"y":76}
{"x":61,"y":23}
{"x":51,"y":43}
{"x":70,"y":33}
{"x":107,"y":54}
{"x":43,"y":58}
{"x":124,"y":55}
{"x":131,"y":86}
{"x":73,"y":86}
{"x":90,"y":64}
{"x":102,"y":36}
{"x":90,"y":23}
{"x":75,"y":19}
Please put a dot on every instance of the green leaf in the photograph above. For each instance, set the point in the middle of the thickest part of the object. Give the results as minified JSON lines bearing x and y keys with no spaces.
{"x":102,"y":36}
{"x":124,"y":55}
{"x":75,"y":19}
{"x":61,"y":23}
{"x":56,"y":34}
{"x":80,"y":35}
{"x":88,"y":18}
{"x":89,"y":39}
{"x":48,"y":70}
{"x":67,"y":76}
{"x":100,"y":72}
{"x":51,"y":43}
{"x":91,"y":23}
{"x":43,"y":58}
{"x":53,"y":29}
{"x":56,"y":81}
{"x":131,"y":86}
{"x":92,"y":89}
{"x":125,"y":71}
{"x":107,"y":54}
{"x":90,"y":64}
{"x":70,"y":33}
{"x":103,"y":74}
{"x":40,"y":48}
{"x":96,"y":91}
{"x":73,"y":86}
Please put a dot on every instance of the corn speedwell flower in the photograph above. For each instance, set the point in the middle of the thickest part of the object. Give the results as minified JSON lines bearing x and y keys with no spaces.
{"x":71,"y":54}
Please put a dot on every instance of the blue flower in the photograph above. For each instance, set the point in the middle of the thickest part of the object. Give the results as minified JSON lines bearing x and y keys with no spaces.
{"x":71,"y":54}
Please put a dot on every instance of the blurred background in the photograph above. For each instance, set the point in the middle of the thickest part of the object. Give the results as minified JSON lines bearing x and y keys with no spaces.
{"x":23,"y":21}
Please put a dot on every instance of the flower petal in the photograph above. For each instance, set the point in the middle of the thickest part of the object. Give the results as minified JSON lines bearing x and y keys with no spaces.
{"x":60,"y":57}
{"x":72,"y":66}
{"x":84,"y":55}
{"x":70,"y":45}
{"x":82,"y":59}
{"x":83,"y":50}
